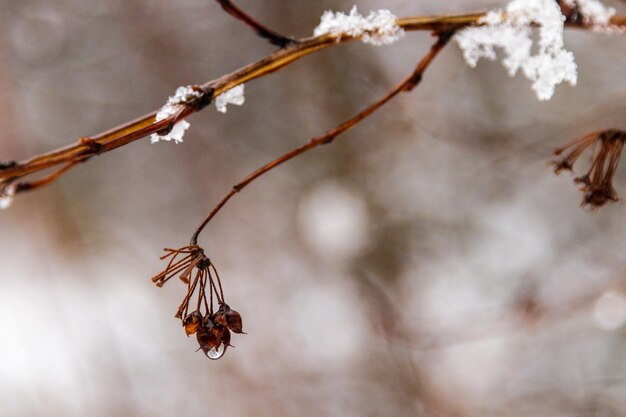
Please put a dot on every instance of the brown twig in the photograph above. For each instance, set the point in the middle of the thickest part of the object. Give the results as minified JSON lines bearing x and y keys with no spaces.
{"x":146,"y":125}
{"x":48,"y":179}
{"x":273,"y":37}
{"x":406,"y":85}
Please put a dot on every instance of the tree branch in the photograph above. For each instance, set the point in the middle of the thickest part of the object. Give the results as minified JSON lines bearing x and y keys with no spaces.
{"x":121,"y":135}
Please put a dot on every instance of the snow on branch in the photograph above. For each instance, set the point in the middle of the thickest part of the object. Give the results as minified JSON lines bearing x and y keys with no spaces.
{"x":378,"y":28}
{"x":511,"y":31}
{"x":174,"y":104}
{"x":593,"y":11}
{"x":508,"y":30}
{"x":233,"y":96}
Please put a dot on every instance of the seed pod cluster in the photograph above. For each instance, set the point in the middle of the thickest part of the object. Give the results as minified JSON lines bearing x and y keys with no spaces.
{"x":212,"y":328}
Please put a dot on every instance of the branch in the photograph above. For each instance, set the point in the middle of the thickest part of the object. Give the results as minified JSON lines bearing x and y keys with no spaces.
{"x":407,"y":85}
{"x":262,"y":31}
{"x":145,"y":125}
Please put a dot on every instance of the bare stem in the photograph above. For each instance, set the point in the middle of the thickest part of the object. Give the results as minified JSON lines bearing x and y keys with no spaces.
{"x":262,"y":31}
{"x":407,"y":84}
{"x":43,"y":181}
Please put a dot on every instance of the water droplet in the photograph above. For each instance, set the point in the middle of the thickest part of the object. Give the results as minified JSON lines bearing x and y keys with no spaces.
{"x":216,"y":352}
{"x":5,"y":201}
{"x":7,"y":193}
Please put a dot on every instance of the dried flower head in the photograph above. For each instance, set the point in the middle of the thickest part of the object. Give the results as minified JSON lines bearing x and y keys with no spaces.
{"x":597,"y":183}
{"x":212,"y":328}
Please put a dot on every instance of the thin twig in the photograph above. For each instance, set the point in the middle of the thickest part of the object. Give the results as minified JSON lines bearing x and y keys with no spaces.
{"x":406,"y":85}
{"x":42,"y":182}
{"x":273,"y":37}
{"x":145,"y":125}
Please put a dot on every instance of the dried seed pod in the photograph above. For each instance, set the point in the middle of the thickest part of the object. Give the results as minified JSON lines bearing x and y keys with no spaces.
{"x":229,"y":318}
{"x":597,"y":183}
{"x":221,"y":333}
{"x":220,"y":318}
{"x":207,"y":339}
{"x":212,"y":329}
{"x":213,"y":338}
{"x":192,"y":322}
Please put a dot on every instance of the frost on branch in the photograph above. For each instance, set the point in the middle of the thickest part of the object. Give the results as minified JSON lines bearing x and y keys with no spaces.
{"x":174,"y":104}
{"x":511,"y":31}
{"x":233,"y":96}
{"x":593,"y":12}
{"x":378,"y":28}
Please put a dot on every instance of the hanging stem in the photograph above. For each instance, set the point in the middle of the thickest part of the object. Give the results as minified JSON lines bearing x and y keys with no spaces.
{"x":219,"y":281}
{"x":406,"y":85}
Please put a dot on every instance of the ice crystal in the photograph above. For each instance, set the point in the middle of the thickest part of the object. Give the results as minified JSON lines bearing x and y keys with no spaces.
{"x":174,"y":104}
{"x":233,"y":96}
{"x":378,"y":28}
{"x":593,"y":11}
{"x":511,"y":32}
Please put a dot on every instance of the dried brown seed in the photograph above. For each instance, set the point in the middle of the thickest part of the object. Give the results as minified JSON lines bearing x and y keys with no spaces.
{"x":213,"y":338}
{"x":206,"y":339}
{"x":221,"y":333}
{"x":192,"y":322}
{"x":229,"y":318}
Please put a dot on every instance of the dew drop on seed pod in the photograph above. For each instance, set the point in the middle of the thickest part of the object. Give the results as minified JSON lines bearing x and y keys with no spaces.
{"x":216,"y":352}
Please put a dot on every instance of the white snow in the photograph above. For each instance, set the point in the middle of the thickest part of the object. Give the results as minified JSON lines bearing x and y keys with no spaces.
{"x":174,"y":104}
{"x":511,"y":31}
{"x":593,"y":11}
{"x":233,"y":96}
{"x":378,"y":28}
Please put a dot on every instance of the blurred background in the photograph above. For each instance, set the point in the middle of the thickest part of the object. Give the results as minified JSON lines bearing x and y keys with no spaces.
{"x":428,"y":263}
